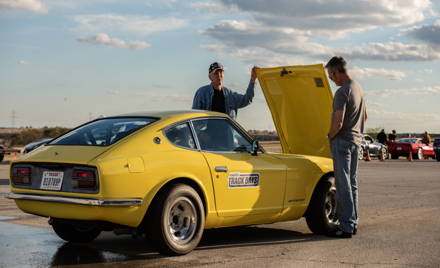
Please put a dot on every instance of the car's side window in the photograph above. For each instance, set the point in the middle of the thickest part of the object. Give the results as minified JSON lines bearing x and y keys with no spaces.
{"x":181,"y":135}
{"x":221,"y":136}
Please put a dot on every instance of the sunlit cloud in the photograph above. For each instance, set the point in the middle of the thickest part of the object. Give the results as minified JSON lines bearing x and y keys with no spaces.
{"x":35,"y":6}
{"x":105,"y":39}
{"x":143,"y":25}
{"x":432,"y":90}
{"x":362,"y":73}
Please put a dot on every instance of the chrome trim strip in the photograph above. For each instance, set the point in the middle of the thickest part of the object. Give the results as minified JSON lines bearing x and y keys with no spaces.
{"x":74,"y":200}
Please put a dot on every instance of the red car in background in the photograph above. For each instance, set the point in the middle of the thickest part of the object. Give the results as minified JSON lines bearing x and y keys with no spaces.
{"x":403,"y":147}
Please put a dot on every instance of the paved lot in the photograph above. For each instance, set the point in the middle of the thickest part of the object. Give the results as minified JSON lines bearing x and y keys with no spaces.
{"x":399,"y":227}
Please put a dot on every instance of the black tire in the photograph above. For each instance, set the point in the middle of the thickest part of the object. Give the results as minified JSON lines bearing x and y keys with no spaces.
{"x":72,"y":232}
{"x":321,"y":213}
{"x":176,"y":221}
{"x":394,"y":156}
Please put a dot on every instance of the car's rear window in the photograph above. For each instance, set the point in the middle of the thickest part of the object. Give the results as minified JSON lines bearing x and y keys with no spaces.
{"x":103,"y":132}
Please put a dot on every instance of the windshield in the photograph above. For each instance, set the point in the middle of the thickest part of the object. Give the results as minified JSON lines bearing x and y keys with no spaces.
{"x":103,"y":132}
{"x":407,"y":140}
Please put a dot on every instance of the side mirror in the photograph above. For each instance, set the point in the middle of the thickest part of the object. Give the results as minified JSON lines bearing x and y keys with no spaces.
{"x":255,"y":147}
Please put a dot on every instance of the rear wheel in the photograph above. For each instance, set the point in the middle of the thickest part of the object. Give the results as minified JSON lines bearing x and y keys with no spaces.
{"x":321,"y":214}
{"x":79,"y":233}
{"x":394,"y":156}
{"x":176,"y":222}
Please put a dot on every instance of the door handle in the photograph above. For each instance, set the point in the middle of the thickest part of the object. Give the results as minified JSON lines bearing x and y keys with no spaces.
{"x":221,"y":169}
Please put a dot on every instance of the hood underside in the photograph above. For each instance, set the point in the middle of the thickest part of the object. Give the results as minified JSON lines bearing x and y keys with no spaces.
{"x":300,"y":100}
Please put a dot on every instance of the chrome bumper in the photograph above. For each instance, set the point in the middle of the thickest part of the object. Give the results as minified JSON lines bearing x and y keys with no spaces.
{"x":75,"y":200}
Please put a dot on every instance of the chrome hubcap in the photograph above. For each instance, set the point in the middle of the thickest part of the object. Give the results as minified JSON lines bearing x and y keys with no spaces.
{"x":182,"y":220}
{"x":330,"y":206}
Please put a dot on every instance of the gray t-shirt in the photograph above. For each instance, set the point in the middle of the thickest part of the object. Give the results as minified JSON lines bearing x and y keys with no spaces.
{"x":350,"y":97}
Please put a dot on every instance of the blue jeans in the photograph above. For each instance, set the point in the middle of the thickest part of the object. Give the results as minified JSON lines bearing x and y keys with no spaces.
{"x":345,"y":163}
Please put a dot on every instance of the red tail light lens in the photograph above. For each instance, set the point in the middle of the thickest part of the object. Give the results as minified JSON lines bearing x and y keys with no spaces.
{"x":83,"y":179}
{"x":21,"y":175}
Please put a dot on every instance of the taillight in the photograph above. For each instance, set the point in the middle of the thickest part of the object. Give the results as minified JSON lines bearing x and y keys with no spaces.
{"x":83,"y":179}
{"x":21,"y":175}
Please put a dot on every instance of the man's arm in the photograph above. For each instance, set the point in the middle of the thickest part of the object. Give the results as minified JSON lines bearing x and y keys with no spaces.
{"x":197,"y":101}
{"x":336,"y":124}
{"x":244,"y":100}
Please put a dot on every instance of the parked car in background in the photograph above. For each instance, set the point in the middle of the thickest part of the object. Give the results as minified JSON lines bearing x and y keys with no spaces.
{"x":35,"y":144}
{"x":436,"y":146}
{"x":405,"y":146}
{"x":374,"y":148}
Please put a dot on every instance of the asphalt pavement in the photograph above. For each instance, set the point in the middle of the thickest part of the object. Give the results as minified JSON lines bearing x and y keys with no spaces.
{"x":399,"y":227}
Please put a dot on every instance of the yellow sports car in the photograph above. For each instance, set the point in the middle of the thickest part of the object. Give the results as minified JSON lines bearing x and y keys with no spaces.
{"x":170,"y":175}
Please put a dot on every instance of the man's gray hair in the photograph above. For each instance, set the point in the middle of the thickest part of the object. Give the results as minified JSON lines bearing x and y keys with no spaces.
{"x":337,"y":63}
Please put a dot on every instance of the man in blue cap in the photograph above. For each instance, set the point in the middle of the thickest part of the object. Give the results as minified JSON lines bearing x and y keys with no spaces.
{"x":216,"y":97}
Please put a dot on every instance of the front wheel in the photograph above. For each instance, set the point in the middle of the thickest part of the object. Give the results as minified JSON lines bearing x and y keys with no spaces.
{"x":419,"y":154}
{"x":79,"y":233}
{"x":361,"y":153}
{"x":321,"y":213}
{"x":176,"y":221}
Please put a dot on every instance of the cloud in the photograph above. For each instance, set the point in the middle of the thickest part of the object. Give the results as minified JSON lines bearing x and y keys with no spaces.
{"x":403,"y":118}
{"x":432,"y":90}
{"x":212,"y":7}
{"x":105,"y":39}
{"x":143,"y":25}
{"x":362,"y":73}
{"x":247,"y":38}
{"x":334,"y":17}
{"x":35,"y":6}
{"x":23,"y":62}
{"x":429,"y":34}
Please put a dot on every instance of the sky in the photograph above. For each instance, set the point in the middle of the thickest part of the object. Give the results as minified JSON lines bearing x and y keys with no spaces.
{"x":63,"y":63}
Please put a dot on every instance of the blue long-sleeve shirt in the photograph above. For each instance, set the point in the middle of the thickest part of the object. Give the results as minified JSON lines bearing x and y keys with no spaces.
{"x":233,"y":100}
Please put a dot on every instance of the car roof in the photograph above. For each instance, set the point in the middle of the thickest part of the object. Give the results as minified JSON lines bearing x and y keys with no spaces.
{"x":170,"y":114}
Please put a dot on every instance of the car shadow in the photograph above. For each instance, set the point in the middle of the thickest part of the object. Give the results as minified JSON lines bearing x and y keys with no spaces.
{"x":111,"y":249}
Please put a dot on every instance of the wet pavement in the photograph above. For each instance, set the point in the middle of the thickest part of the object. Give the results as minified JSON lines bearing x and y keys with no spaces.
{"x":399,"y":223}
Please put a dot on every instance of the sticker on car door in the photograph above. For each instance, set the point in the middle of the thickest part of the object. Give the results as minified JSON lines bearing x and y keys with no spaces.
{"x":243,"y":180}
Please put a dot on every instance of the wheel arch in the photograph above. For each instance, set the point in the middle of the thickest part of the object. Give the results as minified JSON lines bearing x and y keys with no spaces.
{"x":180,"y":180}
{"x":321,"y":180}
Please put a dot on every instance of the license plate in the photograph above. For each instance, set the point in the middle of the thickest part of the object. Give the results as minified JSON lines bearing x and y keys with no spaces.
{"x":399,"y":148}
{"x":52,"y":180}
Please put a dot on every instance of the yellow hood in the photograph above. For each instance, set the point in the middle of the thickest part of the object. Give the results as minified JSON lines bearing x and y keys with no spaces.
{"x":300,"y":100}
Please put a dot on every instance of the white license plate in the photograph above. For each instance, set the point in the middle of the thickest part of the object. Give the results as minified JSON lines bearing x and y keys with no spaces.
{"x":52,"y":180}
{"x":399,"y":148}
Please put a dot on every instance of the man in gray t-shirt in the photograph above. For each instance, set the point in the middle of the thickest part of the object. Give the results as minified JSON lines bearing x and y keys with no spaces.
{"x":348,"y":120}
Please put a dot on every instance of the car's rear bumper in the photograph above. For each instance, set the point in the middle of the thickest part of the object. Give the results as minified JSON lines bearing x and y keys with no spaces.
{"x":75,"y":200}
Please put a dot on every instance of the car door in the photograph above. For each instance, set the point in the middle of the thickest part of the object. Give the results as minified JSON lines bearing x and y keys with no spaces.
{"x":244,"y":184}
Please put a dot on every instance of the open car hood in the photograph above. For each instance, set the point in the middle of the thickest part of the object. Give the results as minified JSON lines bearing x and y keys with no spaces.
{"x":300,"y":100}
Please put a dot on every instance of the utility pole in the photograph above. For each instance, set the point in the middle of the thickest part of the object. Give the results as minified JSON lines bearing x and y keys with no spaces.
{"x":13,"y":117}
